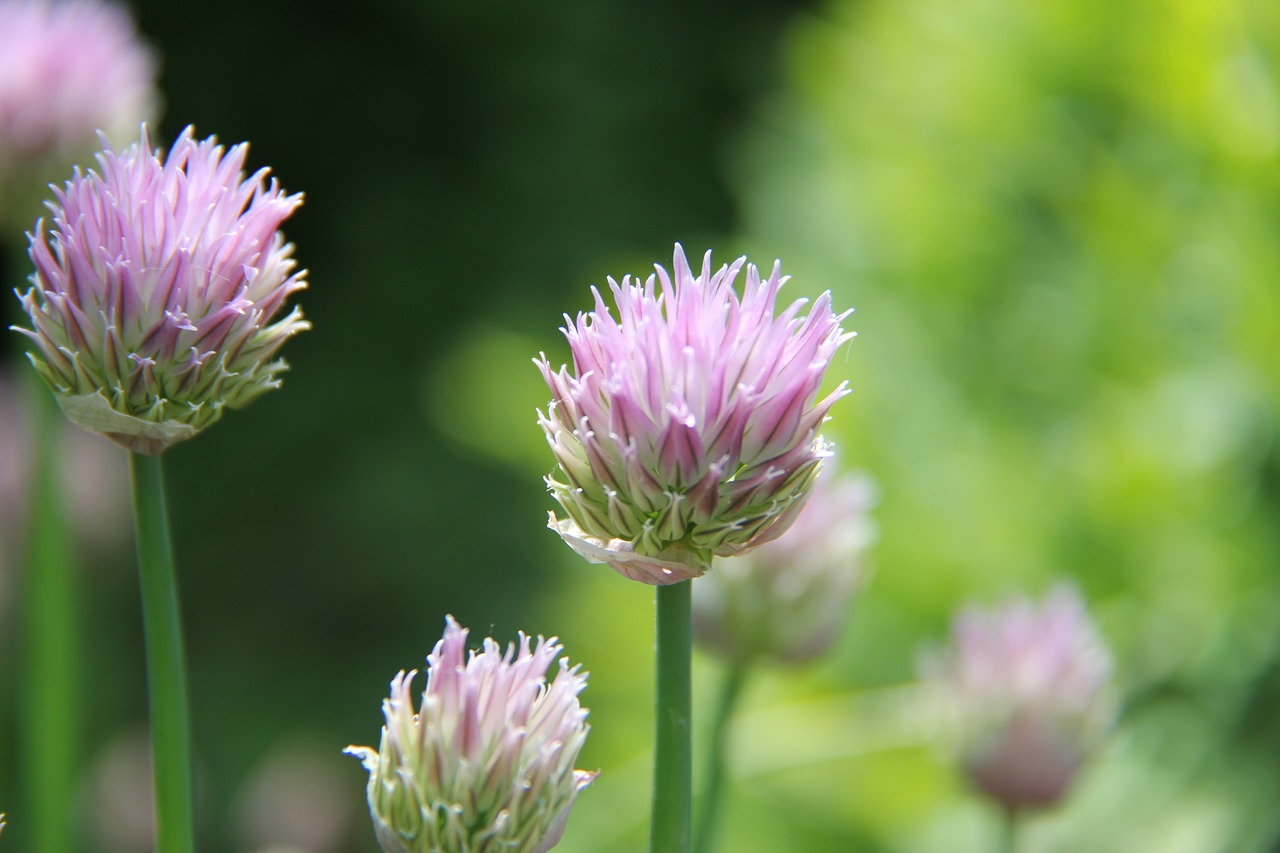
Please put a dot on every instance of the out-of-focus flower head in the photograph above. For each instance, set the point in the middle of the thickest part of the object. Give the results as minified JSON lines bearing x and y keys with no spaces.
{"x":154,"y":294}
{"x":68,"y":68}
{"x":688,"y":426}
{"x":485,"y":762}
{"x":119,"y":805}
{"x":787,"y":600}
{"x":296,"y":800}
{"x":1030,"y":687}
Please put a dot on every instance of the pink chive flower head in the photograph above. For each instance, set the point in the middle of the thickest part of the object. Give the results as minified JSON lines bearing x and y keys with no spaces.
{"x":787,"y":600}
{"x":68,"y":68}
{"x":1029,"y":687}
{"x":687,"y":427}
{"x":156,"y":290}
{"x":485,"y":762}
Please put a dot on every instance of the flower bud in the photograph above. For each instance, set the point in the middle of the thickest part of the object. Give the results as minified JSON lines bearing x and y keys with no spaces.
{"x":68,"y":69}
{"x":1029,"y":686}
{"x":787,"y":599}
{"x":485,"y":762}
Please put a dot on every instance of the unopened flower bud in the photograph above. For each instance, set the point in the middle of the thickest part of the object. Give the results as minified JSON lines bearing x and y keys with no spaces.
{"x":485,"y":762}
{"x":1029,"y":685}
{"x":787,"y":600}
{"x":68,"y":69}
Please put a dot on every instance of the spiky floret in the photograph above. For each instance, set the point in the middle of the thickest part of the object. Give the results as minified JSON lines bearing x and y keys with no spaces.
{"x":688,"y":427}
{"x":155,"y":289}
{"x":485,"y":762}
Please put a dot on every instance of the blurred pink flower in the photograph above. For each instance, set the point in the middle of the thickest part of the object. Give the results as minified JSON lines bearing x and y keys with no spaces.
{"x":154,"y":294}
{"x":788,"y":599}
{"x":68,"y":69}
{"x":688,"y":427}
{"x":118,"y":804}
{"x":486,"y":760}
{"x":296,"y":799}
{"x":1029,"y":684}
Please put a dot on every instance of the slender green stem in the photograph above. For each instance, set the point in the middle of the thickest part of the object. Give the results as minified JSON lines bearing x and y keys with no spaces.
{"x":717,"y":754}
{"x":1009,"y":831}
{"x":50,"y":705}
{"x":166,"y":670}
{"x":671,"y":820}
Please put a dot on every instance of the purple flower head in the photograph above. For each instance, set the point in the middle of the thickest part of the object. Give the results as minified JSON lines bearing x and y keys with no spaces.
{"x":156,"y":289}
{"x":788,"y":599}
{"x":68,"y":68}
{"x":485,"y":762}
{"x":1029,"y":684}
{"x":688,"y":426}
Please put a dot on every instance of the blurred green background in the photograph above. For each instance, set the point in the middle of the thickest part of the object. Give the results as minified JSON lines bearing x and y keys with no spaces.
{"x":1059,"y":223}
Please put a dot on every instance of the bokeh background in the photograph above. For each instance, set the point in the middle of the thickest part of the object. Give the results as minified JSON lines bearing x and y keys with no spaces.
{"x":1058,"y":223}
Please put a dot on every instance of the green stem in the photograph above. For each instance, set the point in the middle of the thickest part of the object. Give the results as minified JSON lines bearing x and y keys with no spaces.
{"x":1009,"y":831}
{"x":713,"y":790}
{"x":50,"y":705}
{"x":672,"y":816}
{"x":166,"y":671}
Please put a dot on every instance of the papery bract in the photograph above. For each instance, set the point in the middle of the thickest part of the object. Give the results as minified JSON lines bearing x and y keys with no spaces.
{"x":688,"y":426}
{"x":485,"y":762}
{"x":153,"y":301}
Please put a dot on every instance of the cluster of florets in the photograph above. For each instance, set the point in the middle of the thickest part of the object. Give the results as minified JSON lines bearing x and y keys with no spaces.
{"x":485,"y":762}
{"x":156,"y":289}
{"x":688,"y":427}
{"x":1029,"y":687}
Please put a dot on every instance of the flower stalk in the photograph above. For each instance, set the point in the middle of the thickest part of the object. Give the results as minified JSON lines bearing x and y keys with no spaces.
{"x":166,"y":668}
{"x":1009,"y":825}
{"x":671,"y":821}
{"x":717,"y":763}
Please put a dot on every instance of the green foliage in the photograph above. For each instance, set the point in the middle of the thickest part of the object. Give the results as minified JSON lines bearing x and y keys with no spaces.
{"x":1056,"y":221}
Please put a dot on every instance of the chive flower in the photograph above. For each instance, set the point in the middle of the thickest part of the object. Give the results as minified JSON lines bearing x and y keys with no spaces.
{"x":1028,"y":684}
{"x":68,"y":68}
{"x":787,"y":600}
{"x":156,"y":290}
{"x":485,"y":762}
{"x":687,"y":428}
